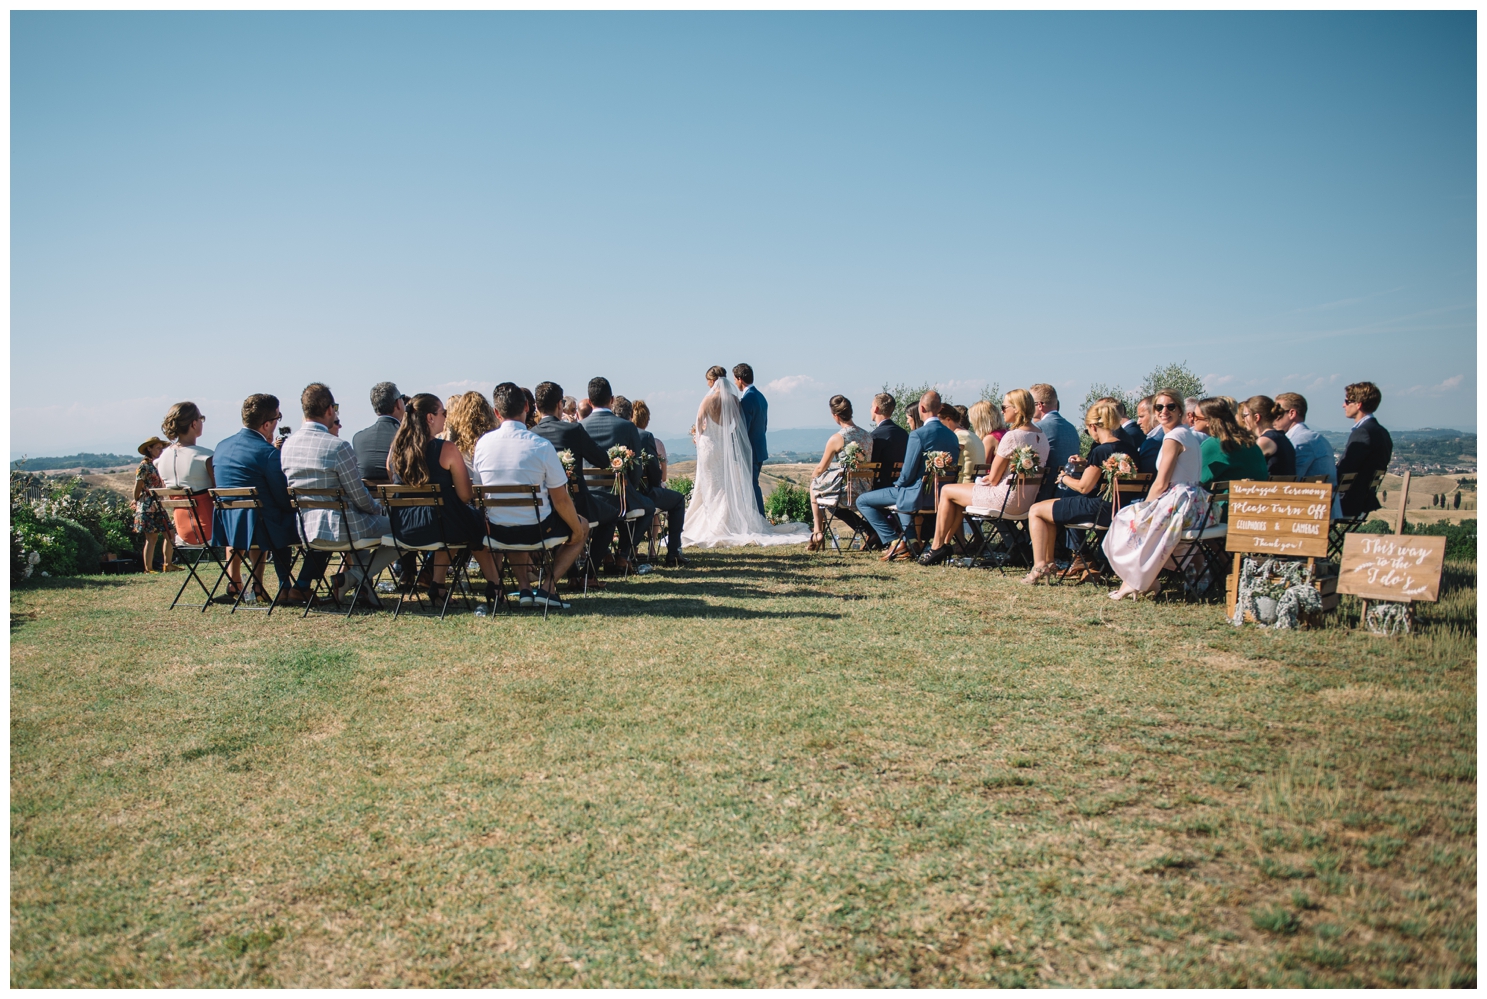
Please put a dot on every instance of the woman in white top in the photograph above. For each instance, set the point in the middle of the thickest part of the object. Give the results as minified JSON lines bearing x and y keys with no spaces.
{"x":1143,"y":535}
{"x":185,"y":464}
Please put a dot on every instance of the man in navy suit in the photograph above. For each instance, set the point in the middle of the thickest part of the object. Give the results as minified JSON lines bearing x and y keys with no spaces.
{"x":608,"y":430}
{"x":1129,"y":430}
{"x":1063,"y":436}
{"x":1368,"y":451}
{"x":755,"y":409}
{"x":249,"y":458}
{"x":908,"y":492}
{"x":1151,"y":441}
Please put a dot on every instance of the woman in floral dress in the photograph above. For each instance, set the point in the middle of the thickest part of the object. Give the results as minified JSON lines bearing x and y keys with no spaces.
{"x":830,"y":478}
{"x":150,"y":518}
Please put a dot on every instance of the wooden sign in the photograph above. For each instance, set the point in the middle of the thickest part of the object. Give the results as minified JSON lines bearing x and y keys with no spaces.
{"x":1397,"y":567}
{"x":1279,"y":518}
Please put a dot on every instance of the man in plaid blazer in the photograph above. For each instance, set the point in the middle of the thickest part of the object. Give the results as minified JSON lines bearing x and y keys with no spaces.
{"x":316,"y":458}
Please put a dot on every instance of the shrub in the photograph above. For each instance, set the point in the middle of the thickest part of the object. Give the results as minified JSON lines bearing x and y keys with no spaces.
{"x":67,"y":523}
{"x":55,"y":548}
{"x":788,"y":503}
{"x":682,"y":485}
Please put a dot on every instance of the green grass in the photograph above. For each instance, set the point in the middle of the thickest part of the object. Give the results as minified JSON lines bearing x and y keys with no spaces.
{"x":770,"y":769}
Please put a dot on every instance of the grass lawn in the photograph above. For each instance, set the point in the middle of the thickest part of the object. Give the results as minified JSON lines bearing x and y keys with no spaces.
{"x":773,"y":768}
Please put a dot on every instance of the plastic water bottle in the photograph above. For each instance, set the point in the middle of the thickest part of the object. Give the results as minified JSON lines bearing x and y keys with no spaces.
{"x":642,"y":568}
{"x":480,"y":611}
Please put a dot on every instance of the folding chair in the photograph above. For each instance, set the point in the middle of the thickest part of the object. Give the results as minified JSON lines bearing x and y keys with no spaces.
{"x":180,"y":498}
{"x":1091,"y":533}
{"x":410,"y":497}
{"x":359,"y":553}
{"x":241,"y":498}
{"x":855,"y":482}
{"x":1343,"y":526}
{"x":999,"y":537}
{"x":520,"y":496}
{"x":604,"y":478}
{"x":923,"y":514}
{"x":1207,"y":541}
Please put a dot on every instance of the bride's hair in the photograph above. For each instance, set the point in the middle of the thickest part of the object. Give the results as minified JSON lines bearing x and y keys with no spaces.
{"x":715,"y":372}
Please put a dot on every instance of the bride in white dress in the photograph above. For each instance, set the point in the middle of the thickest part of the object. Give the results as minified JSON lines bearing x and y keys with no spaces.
{"x":722,"y":511}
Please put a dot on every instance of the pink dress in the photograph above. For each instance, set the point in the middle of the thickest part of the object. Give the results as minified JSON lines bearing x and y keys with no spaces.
{"x":1013,"y":500}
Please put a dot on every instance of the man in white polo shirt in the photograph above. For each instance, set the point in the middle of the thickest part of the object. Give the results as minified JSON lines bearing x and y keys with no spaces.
{"x":511,"y":455}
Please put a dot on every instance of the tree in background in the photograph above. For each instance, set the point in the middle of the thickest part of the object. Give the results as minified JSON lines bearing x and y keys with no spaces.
{"x":1178,"y":377}
{"x":909,"y":395}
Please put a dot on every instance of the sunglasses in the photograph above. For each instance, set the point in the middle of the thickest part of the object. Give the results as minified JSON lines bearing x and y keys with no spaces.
{"x":1162,"y":407}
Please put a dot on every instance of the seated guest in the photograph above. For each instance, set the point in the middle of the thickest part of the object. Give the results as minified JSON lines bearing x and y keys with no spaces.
{"x":420,"y":458}
{"x":532,"y":415}
{"x":1063,"y":438}
{"x":642,"y":420}
{"x":987,"y":424}
{"x":1130,"y":429}
{"x":915,"y":418}
{"x":371,"y":445}
{"x":569,"y":412}
{"x":186,"y":465}
{"x":609,"y":430}
{"x":584,"y":409}
{"x":599,"y":507}
{"x":1368,"y":450}
{"x":1151,"y":445}
{"x":972,"y":451}
{"x":1000,"y":489}
{"x":314,"y":457}
{"x":890,"y":441}
{"x":1314,"y":455}
{"x":1190,"y":415}
{"x":512,"y":455}
{"x":1143,"y":536}
{"x":1081,"y":492}
{"x":907,"y":492}
{"x":830,"y":478}
{"x":673,"y":503}
{"x":1229,"y":451}
{"x":1257,"y":414}
{"x":468,"y":419}
{"x":250,"y":459}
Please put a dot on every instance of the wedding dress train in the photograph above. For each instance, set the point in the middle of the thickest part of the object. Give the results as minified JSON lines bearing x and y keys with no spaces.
{"x":722,"y":511}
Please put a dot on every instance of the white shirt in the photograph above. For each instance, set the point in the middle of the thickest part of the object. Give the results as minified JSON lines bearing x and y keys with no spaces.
{"x":511,"y":455}
{"x":1365,"y":416}
{"x":185,"y":465}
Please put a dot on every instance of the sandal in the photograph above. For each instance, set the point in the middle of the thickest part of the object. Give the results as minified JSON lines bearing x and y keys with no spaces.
{"x":1039,"y":572}
{"x":817,"y":540}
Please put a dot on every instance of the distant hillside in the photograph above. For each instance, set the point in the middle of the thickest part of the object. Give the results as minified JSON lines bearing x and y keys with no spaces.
{"x":800,"y":441}
{"x":74,"y":461}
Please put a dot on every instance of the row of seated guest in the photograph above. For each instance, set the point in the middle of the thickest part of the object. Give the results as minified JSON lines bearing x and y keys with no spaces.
{"x":1258,"y":414}
{"x":906,"y":493}
{"x":972,"y":448}
{"x":1229,"y":449}
{"x":829,"y":481}
{"x":1001,"y":488}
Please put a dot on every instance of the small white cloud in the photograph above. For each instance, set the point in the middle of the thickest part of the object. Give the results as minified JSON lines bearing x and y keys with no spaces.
{"x":1449,"y":385}
{"x":791,"y":383}
{"x":1215,"y":381}
{"x":1454,"y":382}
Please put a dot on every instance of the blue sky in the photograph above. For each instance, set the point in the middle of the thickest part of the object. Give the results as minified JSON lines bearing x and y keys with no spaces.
{"x":209,"y":205}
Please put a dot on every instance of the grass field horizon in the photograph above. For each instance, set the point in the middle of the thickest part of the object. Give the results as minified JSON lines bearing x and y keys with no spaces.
{"x":772,"y":768}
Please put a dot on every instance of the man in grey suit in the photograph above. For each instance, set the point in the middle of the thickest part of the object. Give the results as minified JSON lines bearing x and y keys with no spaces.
{"x":608,"y":430}
{"x":1063,"y":436}
{"x":372,"y":444}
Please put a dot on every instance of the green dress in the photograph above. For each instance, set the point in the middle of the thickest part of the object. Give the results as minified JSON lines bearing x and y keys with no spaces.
{"x":1219,"y":466}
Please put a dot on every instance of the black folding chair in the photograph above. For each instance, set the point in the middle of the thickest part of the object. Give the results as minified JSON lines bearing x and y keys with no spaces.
{"x":1343,"y":526}
{"x":359,"y":553}
{"x":626,"y":540}
{"x":1206,"y":542}
{"x":174,"y":498}
{"x":254,"y":557}
{"x":855,"y":482}
{"x":518,"y":497}
{"x":424,"y":497}
{"x":999,"y":538}
{"x":1090,"y":534}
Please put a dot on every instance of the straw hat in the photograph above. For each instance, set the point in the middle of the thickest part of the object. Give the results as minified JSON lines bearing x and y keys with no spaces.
{"x":144,"y":448}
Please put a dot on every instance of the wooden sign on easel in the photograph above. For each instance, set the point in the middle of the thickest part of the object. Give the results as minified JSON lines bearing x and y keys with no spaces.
{"x":1398,"y":567}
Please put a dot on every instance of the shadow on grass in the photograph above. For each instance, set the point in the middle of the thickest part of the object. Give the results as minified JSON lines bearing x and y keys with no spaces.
{"x":625,"y":606}
{"x":74,"y":583}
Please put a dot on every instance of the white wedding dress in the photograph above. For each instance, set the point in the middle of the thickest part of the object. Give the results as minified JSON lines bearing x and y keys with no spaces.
{"x":722,"y":512}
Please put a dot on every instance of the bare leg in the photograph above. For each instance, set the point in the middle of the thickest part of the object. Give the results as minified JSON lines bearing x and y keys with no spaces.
{"x":168,"y":549}
{"x":489,"y":567}
{"x":441,"y":566}
{"x":234,"y":564}
{"x":951,"y":511}
{"x":521,"y":565}
{"x":150,"y":539}
{"x":1040,"y":526}
{"x":563,"y":560}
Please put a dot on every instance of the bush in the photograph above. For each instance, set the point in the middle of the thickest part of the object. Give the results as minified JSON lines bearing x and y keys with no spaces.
{"x":67,"y":524}
{"x":56,"y":548}
{"x":682,"y":485}
{"x":788,"y":503}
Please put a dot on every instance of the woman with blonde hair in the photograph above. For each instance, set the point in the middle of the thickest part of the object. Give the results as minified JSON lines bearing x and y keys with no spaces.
{"x":185,"y":465}
{"x":468,"y":418}
{"x":1143,"y":536}
{"x":1001,"y":488}
{"x":987,"y":424}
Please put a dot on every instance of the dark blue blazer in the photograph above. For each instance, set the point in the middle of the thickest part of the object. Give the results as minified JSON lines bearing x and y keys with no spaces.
{"x":1150,"y":450}
{"x":755,"y":409}
{"x":933,"y":436}
{"x":246,"y":459}
{"x":1132,"y":434}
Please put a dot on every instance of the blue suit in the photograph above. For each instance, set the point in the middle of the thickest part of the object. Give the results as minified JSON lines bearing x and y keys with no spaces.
{"x":1151,"y":449}
{"x":1063,"y":440}
{"x":908,"y":492}
{"x":755,"y":410}
{"x":246,"y":459}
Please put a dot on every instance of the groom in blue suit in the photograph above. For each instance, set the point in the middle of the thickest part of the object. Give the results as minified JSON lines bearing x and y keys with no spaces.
{"x":755,"y":410}
{"x":908,"y":492}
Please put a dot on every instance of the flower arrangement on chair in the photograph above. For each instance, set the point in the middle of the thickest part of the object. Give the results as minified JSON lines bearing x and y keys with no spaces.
{"x":621,"y":461}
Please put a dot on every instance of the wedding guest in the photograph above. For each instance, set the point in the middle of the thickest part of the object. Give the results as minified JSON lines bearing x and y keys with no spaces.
{"x":569,"y":412}
{"x":830,"y":478}
{"x":1190,"y":415}
{"x":890,"y":441}
{"x":314,"y":458}
{"x":187,"y":465}
{"x":972,"y":451}
{"x":1151,"y":447}
{"x":1314,"y":455}
{"x":531,"y":407}
{"x":642,"y":419}
{"x":1229,"y":451}
{"x":1143,"y":536}
{"x":468,"y":419}
{"x":1368,"y":450}
{"x":598,"y":507}
{"x":915,"y":419}
{"x":584,"y":409}
{"x":371,"y":444}
{"x":907,"y":492}
{"x":1258,"y":414}
{"x":609,"y":430}
{"x":987,"y":424}
{"x":1130,"y":429}
{"x":1063,"y":439}
{"x":1081,"y":492}
{"x":511,"y":455}
{"x":652,"y":475}
{"x":1000,"y":489}
{"x":419,"y":458}
{"x":149,"y":516}
{"x":249,"y":459}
